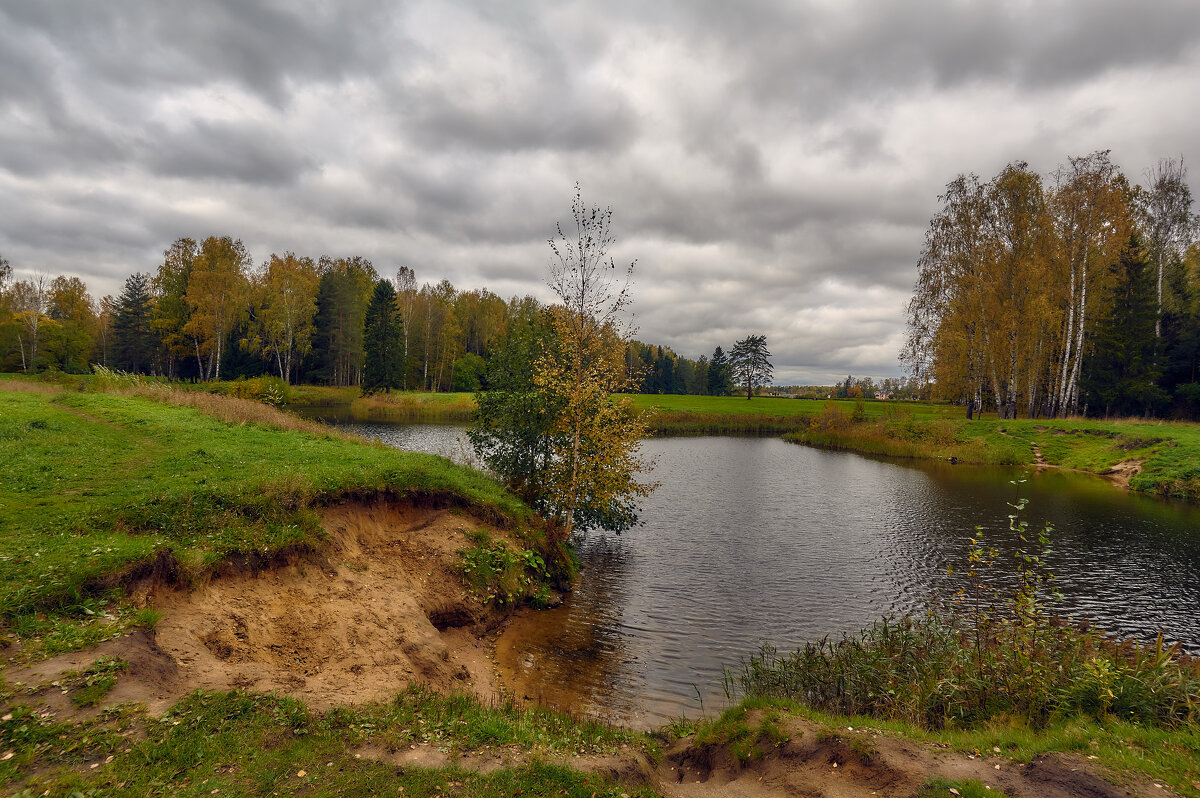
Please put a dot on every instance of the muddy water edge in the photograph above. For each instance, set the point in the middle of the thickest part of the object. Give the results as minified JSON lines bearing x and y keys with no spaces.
{"x":750,"y":540}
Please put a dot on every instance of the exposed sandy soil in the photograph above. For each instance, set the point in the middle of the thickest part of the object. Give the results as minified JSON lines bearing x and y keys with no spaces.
{"x":385,"y":606}
{"x":1122,"y":472}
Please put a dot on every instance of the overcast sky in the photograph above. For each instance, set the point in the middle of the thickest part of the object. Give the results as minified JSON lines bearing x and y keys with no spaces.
{"x":772,"y":166}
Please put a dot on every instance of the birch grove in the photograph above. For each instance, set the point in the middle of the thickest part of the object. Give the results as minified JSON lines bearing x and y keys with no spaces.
{"x":1015,"y":276}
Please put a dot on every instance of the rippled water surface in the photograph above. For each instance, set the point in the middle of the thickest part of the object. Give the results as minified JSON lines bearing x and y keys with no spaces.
{"x":750,"y":540}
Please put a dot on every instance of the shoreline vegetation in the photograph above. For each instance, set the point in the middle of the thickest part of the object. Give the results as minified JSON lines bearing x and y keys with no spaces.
{"x":1148,"y":456}
{"x":126,"y":482}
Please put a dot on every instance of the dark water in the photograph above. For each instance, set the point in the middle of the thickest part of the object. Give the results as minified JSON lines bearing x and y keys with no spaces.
{"x":750,"y":540}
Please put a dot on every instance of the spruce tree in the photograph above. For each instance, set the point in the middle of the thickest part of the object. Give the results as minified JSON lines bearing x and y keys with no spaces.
{"x":1121,"y":373}
{"x":134,"y":340}
{"x":720,"y":380}
{"x":383,"y":341}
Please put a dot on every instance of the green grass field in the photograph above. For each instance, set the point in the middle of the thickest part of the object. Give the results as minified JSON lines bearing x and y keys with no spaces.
{"x":672,"y":414}
{"x":92,"y":484}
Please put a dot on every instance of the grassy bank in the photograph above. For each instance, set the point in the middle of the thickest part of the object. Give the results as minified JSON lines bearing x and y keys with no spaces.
{"x":94,"y":486}
{"x":405,"y":407}
{"x":1128,"y":751}
{"x":251,"y":744}
{"x":1167,"y":453}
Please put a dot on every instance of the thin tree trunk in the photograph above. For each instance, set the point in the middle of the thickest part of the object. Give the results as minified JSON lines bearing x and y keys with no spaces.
{"x":1073,"y":393}
{"x":199,"y":359}
{"x":1060,"y":398}
{"x":577,"y":431}
{"x":1158,"y":317}
{"x":217,"y":359}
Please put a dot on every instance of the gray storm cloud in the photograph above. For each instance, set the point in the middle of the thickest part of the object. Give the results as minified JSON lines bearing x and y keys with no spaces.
{"x":772,"y":165}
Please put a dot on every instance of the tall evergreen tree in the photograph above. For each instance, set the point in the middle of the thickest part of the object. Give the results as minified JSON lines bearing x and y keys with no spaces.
{"x":720,"y":381}
{"x":383,"y":341}
{"x":1121,"y":374}
{"x":344,"y":289}
{"x":1180,"y":344}
{"x":134,"y":341}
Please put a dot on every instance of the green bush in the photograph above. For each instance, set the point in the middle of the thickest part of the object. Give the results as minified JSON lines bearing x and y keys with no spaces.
{"x":503,"y":573}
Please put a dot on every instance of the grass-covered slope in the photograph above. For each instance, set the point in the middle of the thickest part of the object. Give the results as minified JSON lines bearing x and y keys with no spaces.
{"x":92,"y":484}
{"x":1167,"y":453}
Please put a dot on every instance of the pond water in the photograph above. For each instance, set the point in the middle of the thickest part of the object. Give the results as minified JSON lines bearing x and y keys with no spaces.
{"x":753,"y":539}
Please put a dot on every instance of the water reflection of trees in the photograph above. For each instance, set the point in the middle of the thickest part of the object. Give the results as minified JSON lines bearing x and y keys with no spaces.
{"x":572,"y":657}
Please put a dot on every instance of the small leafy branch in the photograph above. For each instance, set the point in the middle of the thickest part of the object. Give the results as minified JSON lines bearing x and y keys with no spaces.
{"x":505,"y":574}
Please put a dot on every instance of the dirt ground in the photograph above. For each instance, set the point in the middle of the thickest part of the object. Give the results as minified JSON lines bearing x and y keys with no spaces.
{"x":385,"y":606}
{"x":812,"y":762}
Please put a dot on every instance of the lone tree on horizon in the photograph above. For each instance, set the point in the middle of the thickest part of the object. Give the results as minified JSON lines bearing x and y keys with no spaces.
{"x":751,"y":362}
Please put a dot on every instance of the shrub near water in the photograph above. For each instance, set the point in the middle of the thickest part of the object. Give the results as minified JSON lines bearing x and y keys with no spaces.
{"x":507,"y":575}
{"x":986,"y":657}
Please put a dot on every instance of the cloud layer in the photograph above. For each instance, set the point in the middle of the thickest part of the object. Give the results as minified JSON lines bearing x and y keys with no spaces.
{"x":772,"y":165}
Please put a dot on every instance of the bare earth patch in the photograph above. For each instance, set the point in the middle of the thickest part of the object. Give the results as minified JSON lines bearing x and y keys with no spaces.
{"x":1122,"y":472}
{"x":814,"y":762}
{"x":810,"y":762}
{"x":384,"y":607}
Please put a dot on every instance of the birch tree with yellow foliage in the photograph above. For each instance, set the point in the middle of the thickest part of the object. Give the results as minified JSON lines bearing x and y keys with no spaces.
{"x":593,"y":476}
{"x":556,"y":432}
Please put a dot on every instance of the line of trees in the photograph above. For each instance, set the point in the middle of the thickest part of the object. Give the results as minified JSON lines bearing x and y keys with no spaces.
{"x":1077,"y":294}
{"x":208,"y":312}
{"x":658,"y":369}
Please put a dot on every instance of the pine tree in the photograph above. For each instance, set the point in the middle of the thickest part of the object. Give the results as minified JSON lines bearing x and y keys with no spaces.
{"x":343,"y":292}
{"x":1121,"y":373}
{"x":751,"y":362}
{"x":383,"y":341}
{"x":720,"y":381}
{"x":134,"y":340}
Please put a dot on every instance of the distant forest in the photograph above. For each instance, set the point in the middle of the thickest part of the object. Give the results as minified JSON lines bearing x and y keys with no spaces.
{"x":208,"y":313}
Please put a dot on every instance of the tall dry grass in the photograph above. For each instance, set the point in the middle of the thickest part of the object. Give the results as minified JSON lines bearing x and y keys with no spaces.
{"x":407,"y":406}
